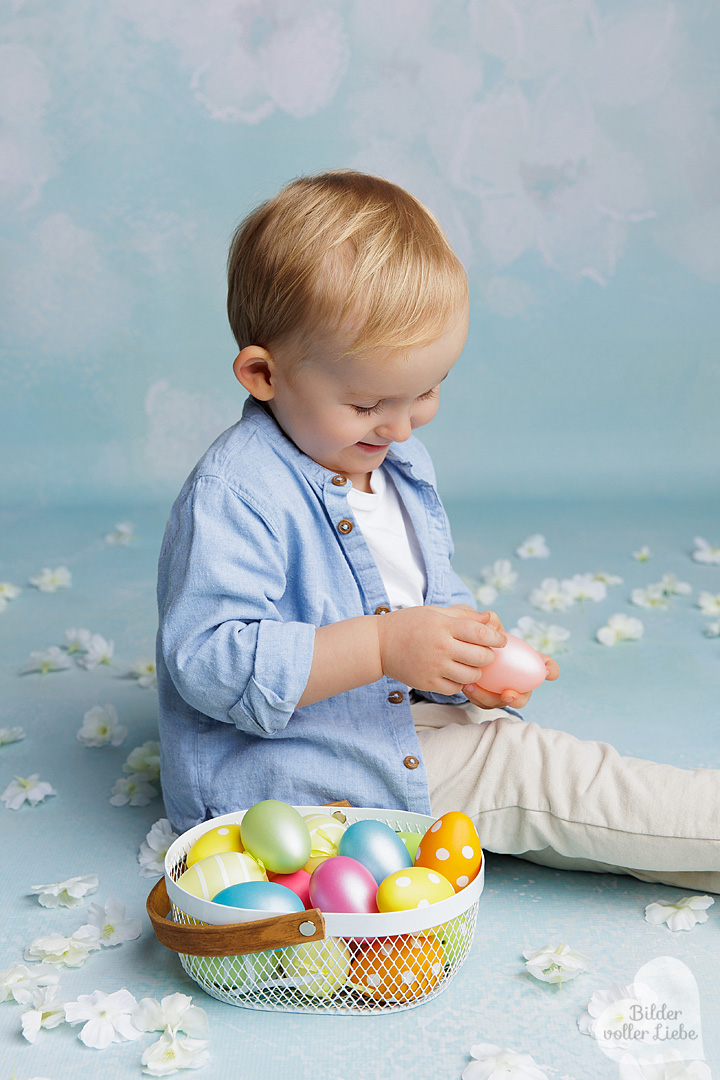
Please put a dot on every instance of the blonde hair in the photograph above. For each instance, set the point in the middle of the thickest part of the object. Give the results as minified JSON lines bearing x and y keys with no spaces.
{"x":342,"y":251}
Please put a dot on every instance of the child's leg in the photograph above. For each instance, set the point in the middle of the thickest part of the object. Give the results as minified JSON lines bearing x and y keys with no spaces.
{"x":548,"y":797}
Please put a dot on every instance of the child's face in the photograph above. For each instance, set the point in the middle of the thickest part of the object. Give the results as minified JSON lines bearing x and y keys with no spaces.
{"x":345,"y":413}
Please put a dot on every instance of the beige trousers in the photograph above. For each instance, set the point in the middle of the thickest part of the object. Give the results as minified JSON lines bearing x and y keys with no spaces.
{"x":553,"y":799}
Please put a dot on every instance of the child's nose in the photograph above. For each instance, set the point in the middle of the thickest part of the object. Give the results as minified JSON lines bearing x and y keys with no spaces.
{"x":395,"y":429}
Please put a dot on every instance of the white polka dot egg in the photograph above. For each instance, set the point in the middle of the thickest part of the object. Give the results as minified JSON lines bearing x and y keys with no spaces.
{"x":414,"y":887}
{"x":451,"y":846}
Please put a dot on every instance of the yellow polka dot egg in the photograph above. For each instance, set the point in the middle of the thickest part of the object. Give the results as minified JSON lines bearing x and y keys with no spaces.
{"x":414,"y":887}
{"x":451,"y":847}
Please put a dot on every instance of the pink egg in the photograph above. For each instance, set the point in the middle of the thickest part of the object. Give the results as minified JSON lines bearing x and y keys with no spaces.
{"x":517,"y":666}
{"x":299,"y":882}
{"x":343,"y":884}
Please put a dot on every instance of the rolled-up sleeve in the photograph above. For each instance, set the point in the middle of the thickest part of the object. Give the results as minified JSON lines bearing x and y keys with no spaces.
{"x":228,"y":650}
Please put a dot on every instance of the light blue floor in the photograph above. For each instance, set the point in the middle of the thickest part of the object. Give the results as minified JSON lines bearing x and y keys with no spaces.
{"x":657,"y":698}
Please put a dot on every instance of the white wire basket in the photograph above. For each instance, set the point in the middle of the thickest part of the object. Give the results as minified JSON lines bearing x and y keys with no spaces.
{"x":313,"y":961}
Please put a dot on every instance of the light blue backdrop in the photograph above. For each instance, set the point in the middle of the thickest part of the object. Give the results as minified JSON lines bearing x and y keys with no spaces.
{"x":571,"y":150}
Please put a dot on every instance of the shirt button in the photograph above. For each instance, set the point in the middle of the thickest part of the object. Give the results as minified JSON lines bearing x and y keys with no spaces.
{"x":411,"y":762}
{"x":339,"y":481}
{"x":396,"y":697}
{"x":382,"y":610}
{"x":345,"y":526}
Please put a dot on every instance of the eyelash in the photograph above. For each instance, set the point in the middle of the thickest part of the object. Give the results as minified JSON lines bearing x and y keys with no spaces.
{"x":376,"y":408}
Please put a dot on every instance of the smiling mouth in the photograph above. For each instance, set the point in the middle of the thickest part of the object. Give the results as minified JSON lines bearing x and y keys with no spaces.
{"x":373,"y":446}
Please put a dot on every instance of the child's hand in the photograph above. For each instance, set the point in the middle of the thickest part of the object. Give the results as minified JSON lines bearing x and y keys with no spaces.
{"x":486,"y":700}
{"x":437,"y":649}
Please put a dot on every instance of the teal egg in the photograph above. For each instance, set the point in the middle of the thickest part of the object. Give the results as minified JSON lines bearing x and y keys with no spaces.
{"x":376,"y":846}
{"x":276,"y":835}
{"x":262,"y":896}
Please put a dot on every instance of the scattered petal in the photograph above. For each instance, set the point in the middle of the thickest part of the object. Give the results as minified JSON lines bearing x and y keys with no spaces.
{"x":608,"y":579}
{"x":77,"y":640}
{"x":584,"y":587}
{"x":492,"y":1063}
{"x":145,"y":672}
{"x":653,"y":596}
{"x":486,"y":595}
{"x":643,"y":554}
{"x":144,"y":761}
{"x":70,"y":893}
{"x":111,"y":924}
{"x":620,"y":628}
{"x":612,"y":1007}
{"x":123,"y":534}
{"x":52,"y":580}
{"x":52,"y":659}
{"x":175,"y":1011}
{"x":21,"y":981}
{"x":709,"y":603}
{"x":31,"y":789}
{"x":500,"y":575}
{"x":711,"y":630}
{"x":555,"y":965}
{"x":68,"y":951}
{"x":100,"y":727}
{"x":11,"y":734}
{"x":545,"y":638}
{"x":134,"y":790}
{"x":705,"y":552}
{"x":99,"y":651}
{"x":8,"y":592}
{"x":533,"y":548}
{"x":171,"y":1053}
{"x":672,"y":587}
{"x":154,"y":848}
{"x":47,"y":1010}
{"x":551,"y":596}
{"x":681,"y":915}
{"x":108,"y":1017}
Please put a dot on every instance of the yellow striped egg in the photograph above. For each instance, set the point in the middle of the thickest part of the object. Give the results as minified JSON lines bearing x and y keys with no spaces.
{"x":325,"y":834}
{"x":217,"y":839}
{"x":206,"y":878}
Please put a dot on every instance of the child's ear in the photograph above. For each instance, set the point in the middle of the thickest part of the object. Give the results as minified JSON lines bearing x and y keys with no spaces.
{"x":254,"y":367}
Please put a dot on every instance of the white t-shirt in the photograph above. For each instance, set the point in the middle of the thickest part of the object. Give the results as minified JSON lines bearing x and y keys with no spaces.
{"x":390,"y":535}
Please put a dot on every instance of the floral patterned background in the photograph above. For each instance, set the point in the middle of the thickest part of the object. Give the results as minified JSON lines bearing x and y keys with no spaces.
{"x":570,"y":148}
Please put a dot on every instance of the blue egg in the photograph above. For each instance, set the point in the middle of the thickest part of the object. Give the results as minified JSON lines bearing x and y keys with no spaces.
{"x":260,"y":895}
{"x":376,"y":846}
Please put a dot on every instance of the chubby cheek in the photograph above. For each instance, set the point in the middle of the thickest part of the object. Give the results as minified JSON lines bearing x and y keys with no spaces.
{"x":425,"y":411}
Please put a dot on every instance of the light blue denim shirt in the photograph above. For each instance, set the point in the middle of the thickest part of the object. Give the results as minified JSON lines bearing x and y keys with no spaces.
{"x":261,"y":549}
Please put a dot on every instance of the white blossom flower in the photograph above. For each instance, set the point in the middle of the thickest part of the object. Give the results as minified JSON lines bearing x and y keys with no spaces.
{"x":52,"y":580}
{"x":584,"y":587}
{"x":134,"y":790}
{"x":551,"y":596}
{"x":705,"y":552}
{"x":100,"y":727}
{"x":500,"y":575}
{"x":545,"y":638}
{"x":643,"y":554}
{"x":124,"y":533}
{"x":108,"y":1017}
{"x":7,"y":592}
{"x":681,"y":915}
{"x":47,"y":1009}
{"x":611,"y":1007}
{"x":555,"y":965}
{"x":69,"y":893}
{"x":144,"y":761}
{"x":11,"y":734}
{"x":672,"y":587}
{"x":52,"y":659}
{"x":620,"y":628}
{"x":175,"y":1012}
{"x":69,"y":951}
{"x":492,"y":1063}
{"x":145,"y":672}
{"x":171,"y":1053}
{"x":533,"y":548}
{"x":669,"y":1065}
{"x":653,"y":596}
{"x":709,"y":603}
{"x":21,"y":981}
{"x":77,"y":640}
{"x":711,"y":630}
{"x":111,"y":924}
{"x":99,"y":651}
{"x":31,"y":789}
{"x":154,"y":848}
{"x":608,"y":579}
{"x":486,"y":595}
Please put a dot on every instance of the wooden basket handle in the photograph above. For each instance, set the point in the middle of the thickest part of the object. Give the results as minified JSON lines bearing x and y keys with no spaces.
{"x":235,"y":939}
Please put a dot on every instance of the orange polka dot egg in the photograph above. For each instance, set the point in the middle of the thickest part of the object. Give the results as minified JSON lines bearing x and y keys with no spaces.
{"x":451,"y":847}
{"x":398,"y":969}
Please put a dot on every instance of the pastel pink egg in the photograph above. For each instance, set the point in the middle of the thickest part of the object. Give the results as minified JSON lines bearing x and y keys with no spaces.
{"x":299,"y":882}
{"x":517,"y":666}
{"x":343,"y":884}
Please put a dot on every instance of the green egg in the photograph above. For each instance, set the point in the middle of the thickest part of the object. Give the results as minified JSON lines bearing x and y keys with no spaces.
{"x":321,"y":967}
{"x":244,"y":974}
{"x":411,"y":841}
{"x":276,"y":835}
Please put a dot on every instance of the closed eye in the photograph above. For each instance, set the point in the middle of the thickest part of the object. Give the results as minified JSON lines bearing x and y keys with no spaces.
{"x":362,"y":410}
